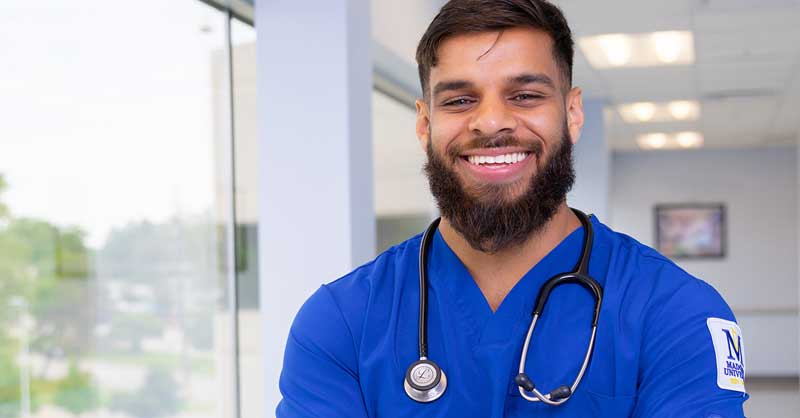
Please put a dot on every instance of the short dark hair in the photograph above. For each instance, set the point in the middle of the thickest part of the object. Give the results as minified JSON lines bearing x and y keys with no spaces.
{"x":474,"y":16}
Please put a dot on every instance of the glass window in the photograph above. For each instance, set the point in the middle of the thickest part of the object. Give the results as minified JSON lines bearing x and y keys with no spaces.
{"x":243,"y":53}
{"x":115,"y":209}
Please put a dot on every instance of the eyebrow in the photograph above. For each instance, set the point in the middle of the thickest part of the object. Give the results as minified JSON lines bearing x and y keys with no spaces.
{"x":522,"y":79}
{"x":532,"y":78}
{"x":444,"y":86}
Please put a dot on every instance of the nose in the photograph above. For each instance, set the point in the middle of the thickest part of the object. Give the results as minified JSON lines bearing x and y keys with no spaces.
{"x":492,"y":117}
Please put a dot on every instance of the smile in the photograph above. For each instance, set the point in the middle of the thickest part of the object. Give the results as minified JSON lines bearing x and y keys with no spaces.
{"x":497,"y":160}
{"x":497,"y":165}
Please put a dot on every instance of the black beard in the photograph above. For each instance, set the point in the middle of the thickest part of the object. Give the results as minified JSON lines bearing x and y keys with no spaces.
{"x":490,"y":222}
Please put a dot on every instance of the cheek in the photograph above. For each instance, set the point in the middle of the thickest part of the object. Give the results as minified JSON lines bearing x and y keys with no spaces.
{"x":547,"y":124}
{"x":444,"y":133}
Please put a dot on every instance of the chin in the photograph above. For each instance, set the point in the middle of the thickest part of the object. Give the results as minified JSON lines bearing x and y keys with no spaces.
{"x":498,"y":193}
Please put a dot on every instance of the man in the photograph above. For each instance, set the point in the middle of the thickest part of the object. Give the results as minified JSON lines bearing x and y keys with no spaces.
{"x":498,"y":120}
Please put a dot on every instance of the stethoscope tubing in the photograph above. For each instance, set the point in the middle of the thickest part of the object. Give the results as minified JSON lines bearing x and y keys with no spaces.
{"x":538,"y":395}
{"x":423,"y":289}
{"x":580,"y":275}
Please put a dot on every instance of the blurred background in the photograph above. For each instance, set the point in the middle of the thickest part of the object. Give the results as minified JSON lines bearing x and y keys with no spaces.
{"x":145,"y":265}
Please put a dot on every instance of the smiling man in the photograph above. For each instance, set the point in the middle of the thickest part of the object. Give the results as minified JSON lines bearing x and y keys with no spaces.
{"x":492,"y":312}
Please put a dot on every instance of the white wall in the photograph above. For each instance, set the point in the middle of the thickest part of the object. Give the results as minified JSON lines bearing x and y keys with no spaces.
{"x":315,"y":158}
{"x":759,"y":275}
{"x":759,"y":189}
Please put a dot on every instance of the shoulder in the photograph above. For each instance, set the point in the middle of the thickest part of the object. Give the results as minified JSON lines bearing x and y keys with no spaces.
{"x":681,"y":325}
{"x":346,"y":301}
{"x":377,"y":278}
{"x":656,"y":283}
{"x":380,"y":272}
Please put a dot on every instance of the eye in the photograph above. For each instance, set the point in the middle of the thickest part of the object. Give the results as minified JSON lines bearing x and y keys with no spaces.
{"x":523,"y":97}
{"x":460,"y":101}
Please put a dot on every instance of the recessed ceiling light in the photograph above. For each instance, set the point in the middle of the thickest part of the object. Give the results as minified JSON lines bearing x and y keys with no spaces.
{"x":660,"y":140}
{"x":638,"y":50}
{"x":640,"y":112}
{"x":654,"y":140}
{"x":643,"y":111}
{"x":684,"y":109}
{"x":668,"y":45}
{"x":689,"y":139}
{"x":617,"y":49}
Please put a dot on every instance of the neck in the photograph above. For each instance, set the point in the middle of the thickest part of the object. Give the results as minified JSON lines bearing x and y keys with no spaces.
{"x":497,"y":273}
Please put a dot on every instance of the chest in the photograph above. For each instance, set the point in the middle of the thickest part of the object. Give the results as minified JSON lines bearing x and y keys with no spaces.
{"x":480,"y":356}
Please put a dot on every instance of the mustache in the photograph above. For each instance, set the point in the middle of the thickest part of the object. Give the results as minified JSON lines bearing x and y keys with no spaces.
{"x":494,"y":141}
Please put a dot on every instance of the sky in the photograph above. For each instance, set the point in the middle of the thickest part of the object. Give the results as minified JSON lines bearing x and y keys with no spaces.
{"x":109,"y":110}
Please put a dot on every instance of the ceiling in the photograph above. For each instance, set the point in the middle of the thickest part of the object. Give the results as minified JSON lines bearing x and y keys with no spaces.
{"x":746,"y":75}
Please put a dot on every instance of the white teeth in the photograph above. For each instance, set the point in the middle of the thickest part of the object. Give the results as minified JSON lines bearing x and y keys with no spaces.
{"x":497,"y":159}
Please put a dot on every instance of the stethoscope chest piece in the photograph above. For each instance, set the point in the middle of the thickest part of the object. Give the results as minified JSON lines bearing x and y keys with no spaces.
{"x":425,"y":381}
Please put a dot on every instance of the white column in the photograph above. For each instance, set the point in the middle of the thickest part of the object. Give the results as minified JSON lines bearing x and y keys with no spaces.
{"x":316,"y":217}
{"x":592,"y":165}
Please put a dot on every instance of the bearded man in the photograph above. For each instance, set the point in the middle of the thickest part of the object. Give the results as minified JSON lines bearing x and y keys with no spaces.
{"x":512,"y":304}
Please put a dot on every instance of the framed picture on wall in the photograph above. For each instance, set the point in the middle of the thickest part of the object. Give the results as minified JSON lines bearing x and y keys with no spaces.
{"x":690,"y":230}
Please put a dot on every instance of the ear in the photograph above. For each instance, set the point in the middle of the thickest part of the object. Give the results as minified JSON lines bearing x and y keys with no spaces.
{"x":574,"y":105}
{"x":423,"y":124}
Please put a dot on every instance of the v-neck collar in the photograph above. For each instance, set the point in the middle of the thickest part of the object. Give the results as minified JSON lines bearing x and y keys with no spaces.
{"x":476,"y":317}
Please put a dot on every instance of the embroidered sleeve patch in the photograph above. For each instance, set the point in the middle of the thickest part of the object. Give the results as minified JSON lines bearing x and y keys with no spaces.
{"x":727,"y":338}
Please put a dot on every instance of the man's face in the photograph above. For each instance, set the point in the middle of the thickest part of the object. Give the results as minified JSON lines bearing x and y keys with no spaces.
{"x":496,"y":115}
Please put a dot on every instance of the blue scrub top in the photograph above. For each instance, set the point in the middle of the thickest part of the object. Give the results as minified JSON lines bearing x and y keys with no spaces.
{"x":352,"y":341}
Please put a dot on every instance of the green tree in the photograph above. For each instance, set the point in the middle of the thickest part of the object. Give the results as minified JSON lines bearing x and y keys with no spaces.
{"x":59,"y":297}
{"x":75,"y":392}
{"x":45,"y":275}
{"x":9,"y":379}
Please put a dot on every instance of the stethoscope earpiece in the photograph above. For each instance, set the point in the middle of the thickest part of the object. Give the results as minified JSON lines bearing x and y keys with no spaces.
{"x":425,"y":381}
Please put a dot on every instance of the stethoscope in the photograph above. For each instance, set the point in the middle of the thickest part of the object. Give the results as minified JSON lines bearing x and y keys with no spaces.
{"x":425,"y":381}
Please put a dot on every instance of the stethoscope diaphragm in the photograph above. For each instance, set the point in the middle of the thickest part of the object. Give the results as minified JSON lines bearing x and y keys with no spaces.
{"x":425,"y":381}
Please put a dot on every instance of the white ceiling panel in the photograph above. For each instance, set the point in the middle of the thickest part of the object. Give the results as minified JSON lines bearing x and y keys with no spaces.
{"x":758,"y":16}
{"x":737,"y":121}
{"x":722,"y":6}
{"x":591,"y":17}
{"x":650,"y":84}
{"x":743,"y":78}
{"x":742,"y":44}
{"x":741,"y":35}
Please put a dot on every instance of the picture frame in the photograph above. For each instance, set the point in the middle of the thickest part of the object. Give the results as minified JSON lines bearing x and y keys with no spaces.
{"x":690,"y":230}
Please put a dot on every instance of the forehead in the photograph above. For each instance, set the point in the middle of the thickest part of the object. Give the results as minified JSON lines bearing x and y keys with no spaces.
{"x":485,"y":56}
